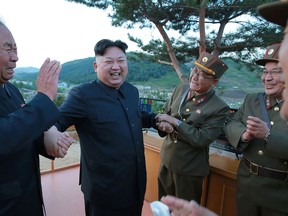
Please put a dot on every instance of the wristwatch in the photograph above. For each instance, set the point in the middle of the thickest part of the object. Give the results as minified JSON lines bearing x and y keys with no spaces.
{"x":178,"y":123}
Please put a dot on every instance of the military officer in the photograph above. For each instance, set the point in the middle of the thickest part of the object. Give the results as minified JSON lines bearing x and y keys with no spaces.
{"x":277,"y":13}
{"x":258,"y":130}
{"x":198,"y":116}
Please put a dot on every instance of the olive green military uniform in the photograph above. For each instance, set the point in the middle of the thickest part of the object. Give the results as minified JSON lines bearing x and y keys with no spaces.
{"x":185,"y":152}
{"x":260,"y":187}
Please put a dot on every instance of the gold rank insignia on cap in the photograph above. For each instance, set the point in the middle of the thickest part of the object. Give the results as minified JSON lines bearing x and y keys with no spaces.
{"x":204,"y":59}
{"x":271,"y":54}
{"x":211,"y":64}
{"x":270,"y":51}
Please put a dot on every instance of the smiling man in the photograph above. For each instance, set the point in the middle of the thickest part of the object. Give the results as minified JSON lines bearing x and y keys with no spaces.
{"x":277,"y":13}
{"x":258,"y":130}
{"x":198,"y":117}
{"x":109,"y":123}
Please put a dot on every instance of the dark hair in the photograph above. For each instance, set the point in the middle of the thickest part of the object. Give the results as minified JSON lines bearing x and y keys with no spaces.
{"x":103,"y":44}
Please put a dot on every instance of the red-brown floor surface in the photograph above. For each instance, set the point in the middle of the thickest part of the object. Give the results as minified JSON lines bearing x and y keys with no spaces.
{"x":62,"y":194}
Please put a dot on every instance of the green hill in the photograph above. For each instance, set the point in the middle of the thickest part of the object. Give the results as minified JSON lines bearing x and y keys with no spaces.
{"x":241,"y":78}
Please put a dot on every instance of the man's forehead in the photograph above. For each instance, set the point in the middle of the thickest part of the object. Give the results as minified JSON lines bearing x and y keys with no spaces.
{"x":114,"y":56}
{"x":6,"y":38}
{"x":199,"y":70}
{"x":272,"y":65}
{"x":110,"y":58}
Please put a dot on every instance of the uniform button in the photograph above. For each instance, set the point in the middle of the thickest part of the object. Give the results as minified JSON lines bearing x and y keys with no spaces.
{"x":187,"y":110}
{"x":132,"y":125}
{"x":194,"y":99}
{"x":285,"y":162}
{"x":126,"y":108}
{"x":271,"y":122}
{"x":276,"y":109}
{"x":184,"y":119}
{"x":260,"y":152}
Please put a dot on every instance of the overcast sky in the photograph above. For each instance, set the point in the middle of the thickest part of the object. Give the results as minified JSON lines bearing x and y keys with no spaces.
{"x":61,"y":30}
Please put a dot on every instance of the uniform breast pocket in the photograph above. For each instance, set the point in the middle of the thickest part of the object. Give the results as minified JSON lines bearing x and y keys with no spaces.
{"x":9,"y":190}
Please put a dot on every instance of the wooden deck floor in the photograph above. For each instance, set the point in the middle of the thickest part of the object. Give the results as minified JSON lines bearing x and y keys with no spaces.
{"x":62,"y":194}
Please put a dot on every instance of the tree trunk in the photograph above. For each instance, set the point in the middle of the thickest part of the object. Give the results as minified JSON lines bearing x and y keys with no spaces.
{"x":218,"y":39}
{"x":171,"y":53}
{"x":202,"y":41}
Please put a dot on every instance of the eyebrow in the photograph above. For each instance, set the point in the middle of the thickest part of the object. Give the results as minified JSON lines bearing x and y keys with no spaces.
{"x":8,"y":44}
{"x":276,"y":68}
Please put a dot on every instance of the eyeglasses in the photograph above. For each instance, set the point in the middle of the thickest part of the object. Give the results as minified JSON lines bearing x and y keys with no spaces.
{"x":275,"y":73}
{"x":199,"y":74}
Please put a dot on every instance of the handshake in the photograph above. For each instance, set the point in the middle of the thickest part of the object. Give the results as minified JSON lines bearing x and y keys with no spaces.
{"x":166,"y":123}
{"x":57,"y":143}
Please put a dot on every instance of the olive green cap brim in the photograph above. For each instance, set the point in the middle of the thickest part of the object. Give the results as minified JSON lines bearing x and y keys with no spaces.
{"x":276,"y":12}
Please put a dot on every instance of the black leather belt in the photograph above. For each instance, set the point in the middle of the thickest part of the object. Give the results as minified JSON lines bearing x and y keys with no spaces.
{"x":265,"y":171}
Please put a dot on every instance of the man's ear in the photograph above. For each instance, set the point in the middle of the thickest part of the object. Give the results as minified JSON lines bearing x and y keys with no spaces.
{"x":95,"y":66}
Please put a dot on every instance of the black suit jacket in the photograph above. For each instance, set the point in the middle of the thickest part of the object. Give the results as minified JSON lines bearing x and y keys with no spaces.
{"x":21,"y":129}
{"x":109,"y":124}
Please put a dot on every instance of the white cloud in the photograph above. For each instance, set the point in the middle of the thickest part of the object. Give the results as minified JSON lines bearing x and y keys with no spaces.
{"x":60,"y":30}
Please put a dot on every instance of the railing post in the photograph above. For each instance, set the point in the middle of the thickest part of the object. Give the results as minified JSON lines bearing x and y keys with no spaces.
{"x":52,"y":165}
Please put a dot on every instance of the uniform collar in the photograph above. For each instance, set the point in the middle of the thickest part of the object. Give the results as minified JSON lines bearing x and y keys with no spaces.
{"x":198,"y":99}
{"x":5,"y":89}
{"x":271,"y":102}
{"x":112,"y":91}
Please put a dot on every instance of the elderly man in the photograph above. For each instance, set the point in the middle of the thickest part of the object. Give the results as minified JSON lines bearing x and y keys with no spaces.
{"x":198,"y":116}
{"x":21,"y":132}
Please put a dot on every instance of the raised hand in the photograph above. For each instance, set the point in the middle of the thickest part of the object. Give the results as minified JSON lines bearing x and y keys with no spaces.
{"x":47,"y":80}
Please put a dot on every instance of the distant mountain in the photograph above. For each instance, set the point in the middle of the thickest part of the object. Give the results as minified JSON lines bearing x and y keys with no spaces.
{"x":26,"y":70}
{"x":141,"y":69}
{"x":78,"y":71}
{"x":72,"y":72}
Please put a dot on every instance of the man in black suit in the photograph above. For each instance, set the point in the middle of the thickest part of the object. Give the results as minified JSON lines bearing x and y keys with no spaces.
{"x":21,"y":132}
{"x":109,"y":122}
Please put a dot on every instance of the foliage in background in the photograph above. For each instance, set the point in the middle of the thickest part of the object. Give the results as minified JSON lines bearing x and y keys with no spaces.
{"x":59,"y":99}
{"x":201,"y":24}
{"x":157,"y":81}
